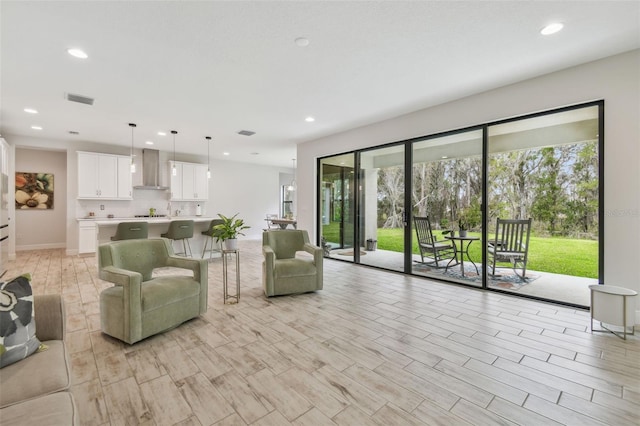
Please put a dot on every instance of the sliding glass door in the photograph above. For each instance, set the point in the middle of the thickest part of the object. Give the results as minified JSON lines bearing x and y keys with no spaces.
{"x":546,"y":168}
{"x":337,"y":205}
{"x":381,"y":209}
{"x":446,"y":207}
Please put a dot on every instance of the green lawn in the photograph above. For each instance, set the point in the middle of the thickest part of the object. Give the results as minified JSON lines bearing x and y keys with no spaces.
{"x":557,"y":255}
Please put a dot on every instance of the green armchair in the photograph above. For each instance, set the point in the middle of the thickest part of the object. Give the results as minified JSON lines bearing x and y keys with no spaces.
{"x":140,"y":305}
{"x":282,"y":271}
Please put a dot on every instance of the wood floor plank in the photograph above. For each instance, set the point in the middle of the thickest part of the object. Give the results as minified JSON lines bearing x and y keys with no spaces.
{"x":529,"y":386}
{"x":313,"y":417}
{"x":545,"y":378}
{"x":558,"y":413}
{"x":242,"y":397}
{"x":439,"y":396}
{"x":243,"y":361}
{"x":89,"y":397}
{"x":209,"y":362}
{"x":625,"y":380}
{"x":284,"y":398}
{"x":392,"y":415}
{"x":319,"y":394}
{"x":577,"y":377}
{"x":112,"y":367}
{"x":400,"y":396}
{"x":432,"y":414}
{"x":326,"y":353}
{"x":471,"y":343}
{"x":351,"y":416}
{"x":481,"y":381}
{"x":607,"y":415}
{"x":477,"y":416}
{"x":357,"y":394}
{"x":518,"y":414}
{"x":452,"y":384}
{"x":166,"y":404}
{"x":204,"y":399}
{"x":125,"y":404}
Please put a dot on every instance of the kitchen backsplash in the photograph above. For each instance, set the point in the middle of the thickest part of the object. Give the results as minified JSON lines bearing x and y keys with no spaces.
{"x":142,"y":201}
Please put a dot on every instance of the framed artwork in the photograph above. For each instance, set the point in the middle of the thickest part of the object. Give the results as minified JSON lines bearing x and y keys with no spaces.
{"x":34,"y":191}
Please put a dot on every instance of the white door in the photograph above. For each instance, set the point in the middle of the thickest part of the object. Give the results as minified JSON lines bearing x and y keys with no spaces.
{"x":176,"y":180}
{"x":201,"y":182}
{"x":188,"y":182}
{"x":108,"y":176}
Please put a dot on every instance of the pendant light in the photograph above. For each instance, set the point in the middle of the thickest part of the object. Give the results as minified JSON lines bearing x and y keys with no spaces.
{"x":208,"y":138}
{"x":174,"y":171}
{"x":133,"y":164}
{"x":292,"y":185}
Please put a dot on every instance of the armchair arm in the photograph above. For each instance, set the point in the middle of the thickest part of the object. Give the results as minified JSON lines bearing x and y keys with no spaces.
{"x":50,"y":317}
{"x":200,"y":270}
{"x":268,"y":269}
{"x":131,"y":283}
{"x":316,"y":252}
{"x":197,"y":266}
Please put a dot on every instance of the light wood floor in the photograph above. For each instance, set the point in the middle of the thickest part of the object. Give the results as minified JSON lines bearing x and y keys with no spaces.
{"x":372,"y":348}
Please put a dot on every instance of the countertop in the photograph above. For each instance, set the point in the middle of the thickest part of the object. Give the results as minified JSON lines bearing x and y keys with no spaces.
{"x":114,"y":221}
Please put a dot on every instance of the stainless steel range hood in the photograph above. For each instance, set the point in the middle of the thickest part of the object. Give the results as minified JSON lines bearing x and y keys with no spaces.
{"x":151,"y":170}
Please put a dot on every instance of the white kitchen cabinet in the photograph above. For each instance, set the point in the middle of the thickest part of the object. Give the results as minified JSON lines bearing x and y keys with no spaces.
{"x":104,"y":176}
{"x":190,"y":182}
{"x":86,"y":237}
{"x":125,"y":189}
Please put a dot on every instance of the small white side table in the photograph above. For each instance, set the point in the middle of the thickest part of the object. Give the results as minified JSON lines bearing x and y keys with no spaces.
{"x":613,"y":306}
{"x":230,"y":298}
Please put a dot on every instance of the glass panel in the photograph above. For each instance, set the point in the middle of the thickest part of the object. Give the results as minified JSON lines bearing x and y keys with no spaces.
{"x":382,"y":207}
{"x":337,"y":218}
{"x":446,"y":199}
{"x":545,"y":168}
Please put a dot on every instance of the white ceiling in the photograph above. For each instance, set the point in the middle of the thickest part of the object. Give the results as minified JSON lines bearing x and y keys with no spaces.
{"x":215,"y":68}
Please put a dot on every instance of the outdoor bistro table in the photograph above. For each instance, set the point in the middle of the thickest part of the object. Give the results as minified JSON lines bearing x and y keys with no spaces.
{"x":463,"y":250}
{"x":283,"y":223}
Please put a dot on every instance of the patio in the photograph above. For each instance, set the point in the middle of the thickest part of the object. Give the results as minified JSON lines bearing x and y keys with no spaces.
{"x":558,"y":287}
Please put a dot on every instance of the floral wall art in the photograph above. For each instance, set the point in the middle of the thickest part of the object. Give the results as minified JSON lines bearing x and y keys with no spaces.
{"x":34,"y":191}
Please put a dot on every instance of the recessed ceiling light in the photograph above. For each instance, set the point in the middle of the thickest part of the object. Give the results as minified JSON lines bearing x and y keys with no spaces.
{"x":149,"y":142}
{"x":302,"y":42}
{"x":31,"y":110}
{"x":309,"y":119}
{"x":36,"y":127}
{"x":225,"y":153}
{"x":552,"y":28}
{"x":77,"y":53}
{"x":162,"y":134}
{"x":444,"y":157}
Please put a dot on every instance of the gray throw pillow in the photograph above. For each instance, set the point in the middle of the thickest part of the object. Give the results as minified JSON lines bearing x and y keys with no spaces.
{"x":17,"y":325}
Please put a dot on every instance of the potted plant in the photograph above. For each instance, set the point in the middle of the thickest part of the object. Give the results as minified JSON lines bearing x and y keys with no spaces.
{"x":229,"y":230}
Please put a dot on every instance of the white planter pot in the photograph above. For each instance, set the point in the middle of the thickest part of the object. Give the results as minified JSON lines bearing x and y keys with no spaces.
{"x":231,"y":244}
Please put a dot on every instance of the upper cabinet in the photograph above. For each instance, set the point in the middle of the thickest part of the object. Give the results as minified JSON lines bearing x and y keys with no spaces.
{"x":104,"y":176}
{"x":190,"y":182}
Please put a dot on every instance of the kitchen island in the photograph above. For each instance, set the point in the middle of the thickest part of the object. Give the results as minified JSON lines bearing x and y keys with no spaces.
{"x":106,"y":228}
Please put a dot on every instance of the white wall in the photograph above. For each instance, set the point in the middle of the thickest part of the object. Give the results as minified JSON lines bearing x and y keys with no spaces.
{"x":40,"y":229}
{"x":615,"y":79}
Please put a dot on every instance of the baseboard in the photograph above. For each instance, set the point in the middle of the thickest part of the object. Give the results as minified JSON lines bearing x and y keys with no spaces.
{"x":41,"y":246}
{"x":71,"y":252}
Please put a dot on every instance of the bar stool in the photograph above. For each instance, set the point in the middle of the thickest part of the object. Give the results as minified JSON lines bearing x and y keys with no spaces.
{"x":131,"y":231}
{"x":210,"y":233}
{"x":181,"y":230}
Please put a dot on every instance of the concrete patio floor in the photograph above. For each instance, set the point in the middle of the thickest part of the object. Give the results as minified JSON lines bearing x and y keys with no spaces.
{"x":557,"y":287}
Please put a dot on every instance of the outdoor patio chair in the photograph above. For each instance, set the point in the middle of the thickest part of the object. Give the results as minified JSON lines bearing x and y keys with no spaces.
{"x":511,"y":244}
{"x":270,"y":224}
{"x":431,"y":247}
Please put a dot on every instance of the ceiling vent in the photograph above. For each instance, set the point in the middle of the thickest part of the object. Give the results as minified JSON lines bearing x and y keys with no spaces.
{"x":79,"y":98}
{"x":246,"y":132}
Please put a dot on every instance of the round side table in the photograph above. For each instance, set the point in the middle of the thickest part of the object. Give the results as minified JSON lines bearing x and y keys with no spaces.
{"x":613,"y":306}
